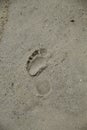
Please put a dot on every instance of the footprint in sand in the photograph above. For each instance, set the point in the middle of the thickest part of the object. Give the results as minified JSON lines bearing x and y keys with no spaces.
{"x":43,"y":88}
{"x":37,"y":62}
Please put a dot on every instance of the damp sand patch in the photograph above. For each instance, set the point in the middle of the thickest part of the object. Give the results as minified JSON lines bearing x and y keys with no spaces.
{"x":4,"y":4}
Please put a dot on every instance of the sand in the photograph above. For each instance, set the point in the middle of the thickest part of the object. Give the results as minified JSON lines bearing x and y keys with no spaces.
{"x":43,"y":65}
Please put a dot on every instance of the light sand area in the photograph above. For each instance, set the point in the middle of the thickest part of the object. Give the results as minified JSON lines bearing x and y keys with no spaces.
{"x":43,"y":65}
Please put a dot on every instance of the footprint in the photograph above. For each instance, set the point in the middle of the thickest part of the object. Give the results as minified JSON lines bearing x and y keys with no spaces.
{"x":43,"y":88}
{"x":37,"y":66}
{"x":37,"y":62}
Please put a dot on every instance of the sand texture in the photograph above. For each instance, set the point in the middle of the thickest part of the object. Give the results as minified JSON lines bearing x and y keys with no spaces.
{"x":43,"y":65}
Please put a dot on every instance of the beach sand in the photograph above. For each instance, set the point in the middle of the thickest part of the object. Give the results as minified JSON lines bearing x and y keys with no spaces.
{"x":43,"y":65}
